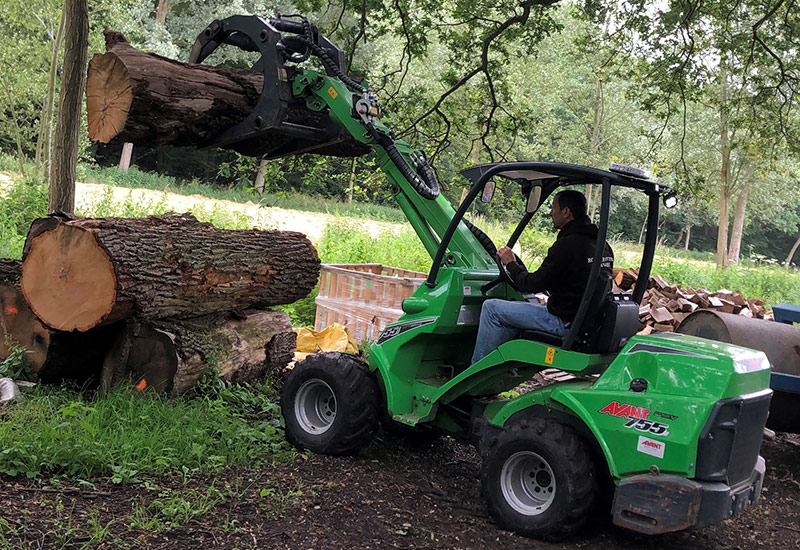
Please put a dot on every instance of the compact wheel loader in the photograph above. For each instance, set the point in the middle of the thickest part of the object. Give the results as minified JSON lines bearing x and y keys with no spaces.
{"x":672,"y":424}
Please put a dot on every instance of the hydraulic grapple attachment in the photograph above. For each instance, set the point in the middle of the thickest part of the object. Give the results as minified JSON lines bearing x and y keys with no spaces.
{"x":279,"y":125}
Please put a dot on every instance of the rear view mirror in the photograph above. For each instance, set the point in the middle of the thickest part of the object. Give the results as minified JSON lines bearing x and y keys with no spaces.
{"x":534,"y":198}
{"x":488,"y":191}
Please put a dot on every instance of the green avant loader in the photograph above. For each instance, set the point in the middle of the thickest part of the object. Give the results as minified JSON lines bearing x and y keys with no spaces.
{"x":670,"y":425}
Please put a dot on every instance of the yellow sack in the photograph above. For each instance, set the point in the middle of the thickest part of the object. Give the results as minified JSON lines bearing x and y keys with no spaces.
{"x":332,"y":338}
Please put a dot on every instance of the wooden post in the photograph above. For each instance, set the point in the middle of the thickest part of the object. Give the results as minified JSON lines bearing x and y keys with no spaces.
{"x":125,"y":159}
{"x":259,"y":184}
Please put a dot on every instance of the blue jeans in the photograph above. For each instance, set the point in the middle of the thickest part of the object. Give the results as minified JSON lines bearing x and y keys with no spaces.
{"x":502,"y":321}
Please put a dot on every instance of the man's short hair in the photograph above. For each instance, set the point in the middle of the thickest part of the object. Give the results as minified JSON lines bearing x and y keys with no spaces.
{"x":574,"y":200}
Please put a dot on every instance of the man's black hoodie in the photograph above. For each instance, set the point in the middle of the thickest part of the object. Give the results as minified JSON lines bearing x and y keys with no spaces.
{"x":565,"y":270}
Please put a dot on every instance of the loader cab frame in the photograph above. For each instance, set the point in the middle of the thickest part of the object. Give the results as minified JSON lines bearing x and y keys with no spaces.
{"x":540,"y":180}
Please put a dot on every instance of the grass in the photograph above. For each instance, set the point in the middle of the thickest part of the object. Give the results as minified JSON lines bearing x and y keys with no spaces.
{"x":135,"y":178}
{"x":125,"y":437}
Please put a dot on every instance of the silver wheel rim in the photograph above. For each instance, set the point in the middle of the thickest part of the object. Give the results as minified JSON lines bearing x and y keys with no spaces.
{"x":315,"y":406}
{"x":528,"y":483}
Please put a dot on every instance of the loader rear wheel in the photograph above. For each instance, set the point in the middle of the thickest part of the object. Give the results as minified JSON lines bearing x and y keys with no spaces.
{"x":330,"y":404}
{"x":539,"y":479}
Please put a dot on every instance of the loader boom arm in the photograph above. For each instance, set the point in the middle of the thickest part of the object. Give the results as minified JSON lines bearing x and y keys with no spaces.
{"x":429,"y":217}
{"x":342,"y":105}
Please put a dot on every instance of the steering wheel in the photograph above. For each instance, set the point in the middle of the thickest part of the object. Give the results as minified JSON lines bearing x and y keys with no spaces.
{"x":504,"y":277}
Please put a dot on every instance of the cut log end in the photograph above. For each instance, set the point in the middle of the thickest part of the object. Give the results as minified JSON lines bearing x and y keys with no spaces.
{"x":69,"y":279}
{"x":19,"y":326}
{"x":108,"y":97}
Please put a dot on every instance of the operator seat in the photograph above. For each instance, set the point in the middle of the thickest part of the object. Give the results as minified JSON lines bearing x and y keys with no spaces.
{"x":611,"y":320}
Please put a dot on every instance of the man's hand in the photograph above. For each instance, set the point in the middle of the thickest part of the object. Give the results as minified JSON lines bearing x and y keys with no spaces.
{"x":506,"y":255}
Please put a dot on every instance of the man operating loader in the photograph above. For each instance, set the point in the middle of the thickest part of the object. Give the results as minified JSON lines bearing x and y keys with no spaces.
{"x":563,"y":273}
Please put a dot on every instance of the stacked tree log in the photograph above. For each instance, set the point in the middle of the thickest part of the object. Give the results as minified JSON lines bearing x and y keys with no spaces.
{"x":158,"y":300}
{"x":50,"y":354}
{"x":665,"y":305}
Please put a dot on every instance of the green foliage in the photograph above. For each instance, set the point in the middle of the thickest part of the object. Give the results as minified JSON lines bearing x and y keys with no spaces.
{"x":302,"y":313}
{"x":22,"y":203}
{"x":16,"y":364}
{"x":127,"y":436}
{"x":347,"y":243}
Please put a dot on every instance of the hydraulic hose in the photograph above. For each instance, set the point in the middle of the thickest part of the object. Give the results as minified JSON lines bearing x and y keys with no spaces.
{"x":424,"y":183}
{"x":482,"y":238}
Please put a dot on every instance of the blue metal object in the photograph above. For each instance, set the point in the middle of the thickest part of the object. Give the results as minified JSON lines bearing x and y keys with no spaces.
{"x":784,"y":382}
{"x":786,"y":313}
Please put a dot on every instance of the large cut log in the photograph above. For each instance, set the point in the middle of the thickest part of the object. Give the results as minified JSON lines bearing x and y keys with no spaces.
{"x":79,"y":274}
{"x":149,"y":100}
{"x":53,"y":355}
{"x":171,"y":356}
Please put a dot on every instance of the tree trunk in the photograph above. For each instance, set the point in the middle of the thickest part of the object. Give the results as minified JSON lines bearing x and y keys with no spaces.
{"x":171,"y":356}
{"x":725,"y":173}
{"x":738,"y":220}
{"x":688,"y":230}
{"x":65,"y":146}
{"x":42,"y":161}
{"x":150,"y":100}
{"x":78,"y":274}
{"x":162,"y":9}
{"x":17,"y":134}
{"x":351,"y":182}
{"x":791,"y":252}
{"x":594,"y":140}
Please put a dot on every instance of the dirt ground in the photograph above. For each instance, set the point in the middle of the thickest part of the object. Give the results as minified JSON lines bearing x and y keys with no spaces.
{"x":391,"y":495}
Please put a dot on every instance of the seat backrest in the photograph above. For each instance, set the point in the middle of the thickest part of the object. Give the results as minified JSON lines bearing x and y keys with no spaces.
{"x":597,"y":306}
{"x":620,"y":321}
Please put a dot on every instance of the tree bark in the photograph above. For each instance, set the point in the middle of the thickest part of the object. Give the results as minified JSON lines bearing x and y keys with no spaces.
{"x":42,"y":159}
{"x":725,"y":172}
{"x":65,"y":146}
{"x":173,"y":355}
{"x":788,"y":261}
{"x":738,"y":220}
{"x":17,"y":134}
{"x":150,"y":100}
{"x":79,"y":274}
{"x":162,"y":9}
{"x":688,"y":231}
{"x":18,"y":324}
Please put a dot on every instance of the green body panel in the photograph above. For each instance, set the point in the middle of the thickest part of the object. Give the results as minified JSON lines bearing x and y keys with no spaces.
{"x":686,"y":377}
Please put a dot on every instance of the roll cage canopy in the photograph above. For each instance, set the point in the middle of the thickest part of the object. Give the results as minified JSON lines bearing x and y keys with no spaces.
{"x":550,"y":176}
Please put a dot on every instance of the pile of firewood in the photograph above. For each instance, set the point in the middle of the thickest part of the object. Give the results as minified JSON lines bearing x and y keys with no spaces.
{"x":665,"y":305}
{"x":153,"y":301}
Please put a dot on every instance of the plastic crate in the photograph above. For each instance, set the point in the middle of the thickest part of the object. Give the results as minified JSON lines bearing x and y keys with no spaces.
{"x":363,"y":297}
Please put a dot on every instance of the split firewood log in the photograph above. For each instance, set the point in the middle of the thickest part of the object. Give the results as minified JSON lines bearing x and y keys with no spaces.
{"x":149,"y":100}
{"x":172,"y":355}
{"x":79,"y":274}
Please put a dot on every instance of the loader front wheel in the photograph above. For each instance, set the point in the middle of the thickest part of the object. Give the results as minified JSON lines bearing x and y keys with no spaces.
{"x":539,"y":479}
{"x":330,"y":404}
